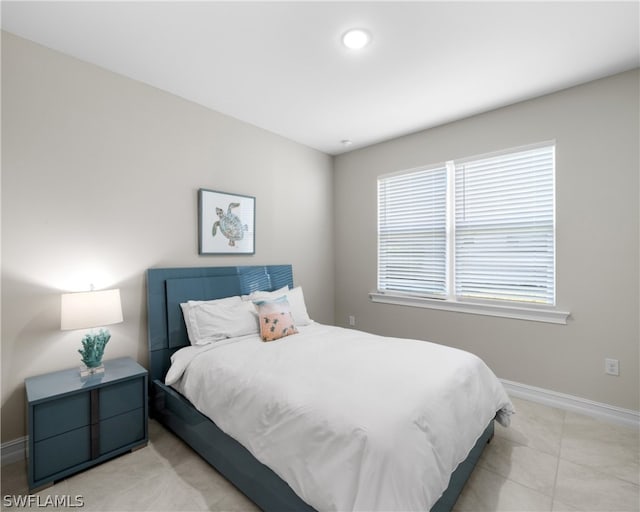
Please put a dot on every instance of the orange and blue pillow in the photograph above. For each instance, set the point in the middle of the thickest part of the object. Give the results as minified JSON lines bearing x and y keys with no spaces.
{"x":276,"y":320}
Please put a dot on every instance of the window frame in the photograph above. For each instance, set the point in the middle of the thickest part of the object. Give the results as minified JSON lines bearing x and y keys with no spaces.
{"x":524,"y":310}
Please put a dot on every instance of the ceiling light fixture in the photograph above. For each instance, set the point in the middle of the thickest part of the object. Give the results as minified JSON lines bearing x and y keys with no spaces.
{"x":356,"y":38}
{"x":346,"y":142}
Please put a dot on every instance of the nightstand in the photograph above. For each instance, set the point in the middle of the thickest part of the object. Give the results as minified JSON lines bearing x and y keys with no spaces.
{"x":77,"y":422}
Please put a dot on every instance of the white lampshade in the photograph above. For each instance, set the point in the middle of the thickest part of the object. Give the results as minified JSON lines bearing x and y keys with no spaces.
{"x":85,"y":310}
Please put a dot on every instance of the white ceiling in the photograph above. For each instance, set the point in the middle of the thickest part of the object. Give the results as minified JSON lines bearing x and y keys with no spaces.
{"x":281,"y":65}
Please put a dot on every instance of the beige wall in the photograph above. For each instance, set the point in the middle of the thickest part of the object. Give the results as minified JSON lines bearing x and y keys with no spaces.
{"x":596,"y":130}
{"x":99,"y":182}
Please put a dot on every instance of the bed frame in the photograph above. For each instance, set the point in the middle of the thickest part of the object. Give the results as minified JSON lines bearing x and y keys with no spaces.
{"x":166,"y":289}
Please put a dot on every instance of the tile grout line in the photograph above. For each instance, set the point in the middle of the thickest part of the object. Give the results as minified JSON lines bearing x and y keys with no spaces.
{"x":555,"y":479}
{"x":588,"y":466}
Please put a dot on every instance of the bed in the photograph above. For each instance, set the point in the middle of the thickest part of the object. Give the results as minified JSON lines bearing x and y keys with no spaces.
{"x":269,"y":480}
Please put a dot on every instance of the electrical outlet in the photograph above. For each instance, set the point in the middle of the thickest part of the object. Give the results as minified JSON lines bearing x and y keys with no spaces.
{"x":612,"y":366}
{"x":352,"y":320}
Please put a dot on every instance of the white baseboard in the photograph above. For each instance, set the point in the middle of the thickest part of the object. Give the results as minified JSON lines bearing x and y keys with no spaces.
{"x":598,"y":410}
{"x":13,"y":451}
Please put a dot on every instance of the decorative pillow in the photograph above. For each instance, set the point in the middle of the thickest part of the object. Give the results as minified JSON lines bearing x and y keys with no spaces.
{"x":275,"y":318}
{"x":215,"y":320}
{"x":295,"y":297}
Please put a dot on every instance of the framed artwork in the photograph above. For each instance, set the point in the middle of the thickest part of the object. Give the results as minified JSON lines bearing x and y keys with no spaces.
{"x":226,"y":223}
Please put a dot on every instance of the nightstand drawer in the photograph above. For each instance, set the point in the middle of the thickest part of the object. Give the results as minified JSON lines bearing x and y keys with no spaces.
{"x":61,"y":415}
{"x":122,"y":397}
{"x":122,"y":430}
{"x":62,"y":452}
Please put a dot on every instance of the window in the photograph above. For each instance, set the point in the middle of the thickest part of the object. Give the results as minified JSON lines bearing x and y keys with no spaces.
{"x":477,"y":229}
{"x":412,"y":240}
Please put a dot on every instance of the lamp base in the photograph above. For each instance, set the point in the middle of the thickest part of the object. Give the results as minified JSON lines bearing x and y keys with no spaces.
{"x":86,"y":371}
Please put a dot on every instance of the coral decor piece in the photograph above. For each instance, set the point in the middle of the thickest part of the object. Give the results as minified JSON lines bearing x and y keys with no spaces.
{"x":93,"y":348}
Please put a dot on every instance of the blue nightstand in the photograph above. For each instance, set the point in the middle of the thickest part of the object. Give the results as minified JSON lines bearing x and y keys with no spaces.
{"x":75,"y":423}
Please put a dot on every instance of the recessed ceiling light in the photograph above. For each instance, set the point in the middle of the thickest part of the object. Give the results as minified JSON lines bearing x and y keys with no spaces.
{"x":346,"y":142}
{"x":356,"y":38}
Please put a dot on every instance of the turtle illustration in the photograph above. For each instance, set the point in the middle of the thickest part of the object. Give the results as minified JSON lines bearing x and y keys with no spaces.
{"x":230,"y":225}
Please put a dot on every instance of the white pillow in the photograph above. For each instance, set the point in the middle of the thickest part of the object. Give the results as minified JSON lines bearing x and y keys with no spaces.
{"x":215,"y":320}
{"x":264,"y":295}
{"x":295,"y":297}
{"x":191,"y":330}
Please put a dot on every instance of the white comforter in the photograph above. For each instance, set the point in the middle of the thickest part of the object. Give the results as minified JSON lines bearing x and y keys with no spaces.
{"x":351,"y":421}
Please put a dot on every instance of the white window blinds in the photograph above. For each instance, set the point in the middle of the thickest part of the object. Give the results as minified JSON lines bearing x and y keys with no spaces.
{"x":504,"y":227}
{"x":412,"y":224}
{"x":481,"y":228}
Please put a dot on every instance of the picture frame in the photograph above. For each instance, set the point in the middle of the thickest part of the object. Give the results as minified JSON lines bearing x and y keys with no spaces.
{"x":226,"y":223}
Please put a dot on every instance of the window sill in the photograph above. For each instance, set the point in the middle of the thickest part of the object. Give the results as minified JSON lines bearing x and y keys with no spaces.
{"x":534,"y":314}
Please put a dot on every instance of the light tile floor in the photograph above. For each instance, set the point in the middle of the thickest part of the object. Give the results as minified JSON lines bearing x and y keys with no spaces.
{"x":548,"y":460}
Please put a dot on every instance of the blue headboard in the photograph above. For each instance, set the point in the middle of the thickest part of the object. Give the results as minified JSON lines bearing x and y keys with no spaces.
{"x":168,"y":287}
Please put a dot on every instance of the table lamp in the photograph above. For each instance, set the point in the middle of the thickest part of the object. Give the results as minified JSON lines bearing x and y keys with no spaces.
{"x":86,"y":310}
